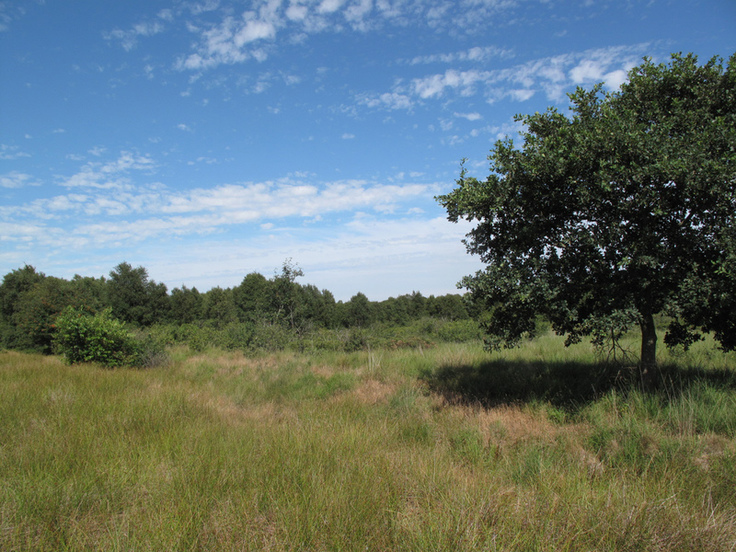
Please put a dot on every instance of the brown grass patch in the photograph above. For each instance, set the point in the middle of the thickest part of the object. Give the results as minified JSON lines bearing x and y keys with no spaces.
{"x":232,"y":413}
{"x":373,"y":391}
{"x":227,"y":362}
{"x":323,"y":371}
{"x":513,"y":425}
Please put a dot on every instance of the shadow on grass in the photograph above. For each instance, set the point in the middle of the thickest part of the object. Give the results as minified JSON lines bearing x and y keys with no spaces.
{"x":566,"y":385}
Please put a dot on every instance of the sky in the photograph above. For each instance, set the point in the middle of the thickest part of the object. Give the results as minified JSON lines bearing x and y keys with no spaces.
{"x":208,"y":139}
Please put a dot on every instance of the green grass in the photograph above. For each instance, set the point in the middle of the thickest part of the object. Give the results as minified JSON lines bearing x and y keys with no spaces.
{"x":447,"y":448}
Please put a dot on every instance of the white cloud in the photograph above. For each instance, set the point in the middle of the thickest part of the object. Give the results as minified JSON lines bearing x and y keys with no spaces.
{"x":218,"y":45}
{"x":15,"y":179}
{"x":435,"y":85}
{"x":391,"y":100}
{"x":296,"y":12}
{"x":110,"y":175}
{"x":469,"y":116}
{"x":586,"y":71}
{"x":615,"y":79}
{"x":109,"y":205}
{"x":197,"y":8}
{"x":291,"y":80}
{"x":330,"y":6}
{"x":226,"y":41}
{"x":521,"y":95}
{"x":552,"y":75}
{"x":254,"y":30}
{"x":129,"y":39}
{"x":474,"y":54}
{"x":11,"y":152}
{"x":287,"y":198}
{"x":607,"y":65}
{"x":357,"y":13}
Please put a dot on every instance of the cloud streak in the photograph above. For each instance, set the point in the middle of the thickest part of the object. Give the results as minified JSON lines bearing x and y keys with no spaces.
{"x":552,"y":76}
{"x":224,"y":36}
{"x":109,"y":204}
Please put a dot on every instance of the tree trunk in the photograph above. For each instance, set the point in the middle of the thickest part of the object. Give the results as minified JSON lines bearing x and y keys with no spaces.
{"x":648,"y":362}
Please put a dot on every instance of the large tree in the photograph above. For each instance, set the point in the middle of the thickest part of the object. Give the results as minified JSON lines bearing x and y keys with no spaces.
{"x":621,"y":211}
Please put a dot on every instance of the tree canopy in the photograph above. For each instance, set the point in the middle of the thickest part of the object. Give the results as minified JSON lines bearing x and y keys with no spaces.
{"x":617,"y":213}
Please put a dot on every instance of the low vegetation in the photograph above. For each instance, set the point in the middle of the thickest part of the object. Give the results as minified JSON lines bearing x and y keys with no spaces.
{"x":441,"y":447}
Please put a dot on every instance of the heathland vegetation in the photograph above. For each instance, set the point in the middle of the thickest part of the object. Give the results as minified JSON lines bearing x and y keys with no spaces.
{"x":434,"y":448}
{"x":272,"y":417}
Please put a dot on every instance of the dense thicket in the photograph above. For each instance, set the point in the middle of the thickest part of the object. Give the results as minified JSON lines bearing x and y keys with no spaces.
{"x":260,"y":312}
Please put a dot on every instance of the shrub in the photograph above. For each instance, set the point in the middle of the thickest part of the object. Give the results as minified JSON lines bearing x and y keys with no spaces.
{"x":269,"y":337}
{"x":459,"y":331}
{"x":84,"y":337}
{"x":150,"y":350}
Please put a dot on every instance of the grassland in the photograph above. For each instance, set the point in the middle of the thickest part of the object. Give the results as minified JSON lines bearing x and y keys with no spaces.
{"x":446,"y":448}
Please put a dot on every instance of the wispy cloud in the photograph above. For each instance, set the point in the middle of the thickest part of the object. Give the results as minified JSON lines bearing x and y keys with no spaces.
{"x":552,"y":76}
{"x":234,"y":39}
{"x":128,"y":39}
{"x":17,"y":179}
{"x":110,"y":175}
{"x":475,"y":54}
{"x":461,"y":81}
{"x":11,"y":152}
{"x":469,"y":116}
{"x":390,"y":100}
{"x":10,"y":12}
{"x":107,"y":204}
{"x":227,"y":37}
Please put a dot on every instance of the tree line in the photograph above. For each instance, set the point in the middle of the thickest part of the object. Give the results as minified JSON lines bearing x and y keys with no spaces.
{"x":31,"y":301}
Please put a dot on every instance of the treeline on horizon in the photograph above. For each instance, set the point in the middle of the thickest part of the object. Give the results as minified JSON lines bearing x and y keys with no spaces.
{"x":259,"y":313}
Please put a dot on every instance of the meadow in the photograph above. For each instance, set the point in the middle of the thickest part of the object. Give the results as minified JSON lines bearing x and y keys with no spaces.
{"x":444,"y":447}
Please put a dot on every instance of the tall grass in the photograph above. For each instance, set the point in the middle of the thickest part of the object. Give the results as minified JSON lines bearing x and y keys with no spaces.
{"x":436,"y":449}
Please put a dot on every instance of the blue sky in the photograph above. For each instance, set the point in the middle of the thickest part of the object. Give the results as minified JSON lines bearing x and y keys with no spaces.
{"x":208,"y":139}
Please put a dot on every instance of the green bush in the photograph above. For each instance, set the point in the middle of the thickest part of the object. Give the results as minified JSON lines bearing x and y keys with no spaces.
{"x":84,"y":337}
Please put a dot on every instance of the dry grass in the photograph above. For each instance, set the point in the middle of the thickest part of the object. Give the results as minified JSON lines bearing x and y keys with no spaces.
{"x":354,"y":452}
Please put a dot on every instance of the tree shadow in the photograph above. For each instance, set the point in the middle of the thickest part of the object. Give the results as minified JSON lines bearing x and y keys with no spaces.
{"x":566,"y":385}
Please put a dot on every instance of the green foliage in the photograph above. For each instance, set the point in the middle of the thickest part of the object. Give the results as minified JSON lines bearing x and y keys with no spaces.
{"x":30,"y":302}
{"x":36,"y":312}
{"x":258,"y":315}
{"x":14,"y":285}
{"x":358,"y":311}
{"x":218,"y":307}
{"x":134,"y":298}
{"x":627,"y":206}
{"x":185,"y":305}
{"x":251,"y":297}
{"x":84,"y":337}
